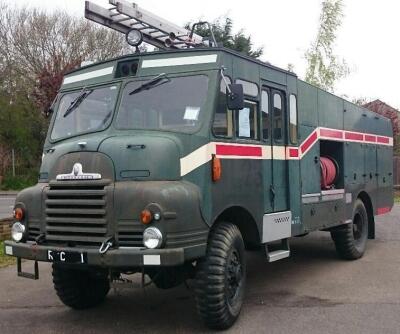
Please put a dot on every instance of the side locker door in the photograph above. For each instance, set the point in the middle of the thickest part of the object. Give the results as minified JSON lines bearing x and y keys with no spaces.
{"x":371,"y":179}
{"x":279,"y":163}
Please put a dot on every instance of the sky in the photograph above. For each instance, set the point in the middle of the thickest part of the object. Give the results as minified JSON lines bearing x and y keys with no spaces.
{"x":368,"y":39}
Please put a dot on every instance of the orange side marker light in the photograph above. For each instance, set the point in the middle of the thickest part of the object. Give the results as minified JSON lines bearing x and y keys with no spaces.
{"x":216,"y":168}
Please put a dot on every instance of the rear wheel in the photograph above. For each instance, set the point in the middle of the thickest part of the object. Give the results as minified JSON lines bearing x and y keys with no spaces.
{"x":351,"y":239}
{"x":80,"y":289}
{"x":221,"y":277}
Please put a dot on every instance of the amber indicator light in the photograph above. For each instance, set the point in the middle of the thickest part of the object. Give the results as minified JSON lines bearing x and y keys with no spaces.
{"x":216,"y":168}
{"x":146,"y":217}
{"x":18,"y":214}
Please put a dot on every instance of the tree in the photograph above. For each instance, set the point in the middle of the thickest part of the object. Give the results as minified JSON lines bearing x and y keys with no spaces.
{"x":37,"y":49}
{"x":222,"y":28}
{"x":36,"y":44}
{"x":324,"y":67}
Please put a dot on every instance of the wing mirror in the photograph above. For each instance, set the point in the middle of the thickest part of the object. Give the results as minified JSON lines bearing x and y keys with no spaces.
{"x":235,"y":97}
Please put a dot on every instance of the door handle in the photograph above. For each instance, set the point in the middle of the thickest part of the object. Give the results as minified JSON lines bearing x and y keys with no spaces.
{"x":272,"y":191}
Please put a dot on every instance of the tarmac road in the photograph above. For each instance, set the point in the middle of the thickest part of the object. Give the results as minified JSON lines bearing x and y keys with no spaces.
{"x":311,"y":292}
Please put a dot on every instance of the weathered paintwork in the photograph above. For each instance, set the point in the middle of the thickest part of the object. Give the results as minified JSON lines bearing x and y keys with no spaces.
{"x":191,"y":201}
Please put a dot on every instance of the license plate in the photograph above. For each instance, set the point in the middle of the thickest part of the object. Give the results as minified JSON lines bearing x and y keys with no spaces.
{"x":66,"y":257}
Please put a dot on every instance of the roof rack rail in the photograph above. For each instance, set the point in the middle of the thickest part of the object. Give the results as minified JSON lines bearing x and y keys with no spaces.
{"x":123,"y":16}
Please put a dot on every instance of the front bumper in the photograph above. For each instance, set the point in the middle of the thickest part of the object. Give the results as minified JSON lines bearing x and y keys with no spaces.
{"x":114,"y":258}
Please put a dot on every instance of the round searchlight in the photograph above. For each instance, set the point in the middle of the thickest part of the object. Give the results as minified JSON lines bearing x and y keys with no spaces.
{"x":134,"y":37}
{"x":17,"y":231}
{"x":152,"y":237}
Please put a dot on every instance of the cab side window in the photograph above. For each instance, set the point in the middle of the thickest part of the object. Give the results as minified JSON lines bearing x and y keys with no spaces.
{"x":246,"y":121}
{"x":293,"y":119}
{"x":223,"y":118}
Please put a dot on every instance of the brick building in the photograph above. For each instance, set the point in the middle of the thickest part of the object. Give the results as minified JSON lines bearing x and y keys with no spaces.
{"x":385,"y":110}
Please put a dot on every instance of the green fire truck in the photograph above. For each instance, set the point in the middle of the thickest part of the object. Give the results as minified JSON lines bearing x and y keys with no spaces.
{"x":171,"y":163}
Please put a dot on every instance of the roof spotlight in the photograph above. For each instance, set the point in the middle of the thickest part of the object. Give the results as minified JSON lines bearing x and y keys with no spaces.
{"x":134,"y":37}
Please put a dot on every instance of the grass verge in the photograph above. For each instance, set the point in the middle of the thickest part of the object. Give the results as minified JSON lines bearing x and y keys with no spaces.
{"x":397,"y":196}
{"x":5,"y":260}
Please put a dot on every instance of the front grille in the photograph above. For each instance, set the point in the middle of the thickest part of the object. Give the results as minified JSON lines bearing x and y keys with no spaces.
{"x":33,"y":230}
{"x":76,"y":213}
{"x":130,"y":233}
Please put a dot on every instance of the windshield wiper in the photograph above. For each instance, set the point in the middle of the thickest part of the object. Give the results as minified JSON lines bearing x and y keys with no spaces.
{"x":79,"y":99}
{"x":156,"y":81}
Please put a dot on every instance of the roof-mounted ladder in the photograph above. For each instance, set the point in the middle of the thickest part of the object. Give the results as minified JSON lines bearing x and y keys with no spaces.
{"x":124,"y":16}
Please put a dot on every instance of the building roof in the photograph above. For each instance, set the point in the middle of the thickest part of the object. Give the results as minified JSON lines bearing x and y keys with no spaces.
{"x":380,"y":107}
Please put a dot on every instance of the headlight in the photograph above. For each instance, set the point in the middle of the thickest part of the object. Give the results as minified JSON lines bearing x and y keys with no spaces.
{"x":17,"y":231}
{"x":152,"y":237}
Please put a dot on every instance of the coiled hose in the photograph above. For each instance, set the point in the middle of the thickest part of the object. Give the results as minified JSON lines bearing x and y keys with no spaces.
{"x":329,"y":171}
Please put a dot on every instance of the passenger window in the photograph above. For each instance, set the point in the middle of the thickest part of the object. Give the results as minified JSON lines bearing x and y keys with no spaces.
{"x":293,"y":119}
{"x":265,"y":114}
{"x":223,"y":118}
{"x":249,"y":88}
{"x":246,"y":121}
{"x":278,"y":117}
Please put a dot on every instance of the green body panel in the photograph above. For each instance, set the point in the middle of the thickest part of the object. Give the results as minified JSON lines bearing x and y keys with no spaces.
{"x":143,"y":168}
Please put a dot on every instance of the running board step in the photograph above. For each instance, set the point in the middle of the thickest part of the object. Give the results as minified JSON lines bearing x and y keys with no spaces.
{"x":279,"y":254}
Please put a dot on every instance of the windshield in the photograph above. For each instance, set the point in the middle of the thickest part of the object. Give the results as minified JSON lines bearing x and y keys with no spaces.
{"x":92,"y":113}
{"x":174,"y":104}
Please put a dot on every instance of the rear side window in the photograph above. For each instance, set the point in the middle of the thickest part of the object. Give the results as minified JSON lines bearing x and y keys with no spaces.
{"x":293,"y":119}
{"x":223,"y":118}
{"x":278,"y":116}
{"x":265,"y":114}
{"x":246,"y":120}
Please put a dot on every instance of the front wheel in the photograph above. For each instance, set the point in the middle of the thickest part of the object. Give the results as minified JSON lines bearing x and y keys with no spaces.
{"x":351,"y":239}
{"x":80,"y":289}
{"x":221,"y":277}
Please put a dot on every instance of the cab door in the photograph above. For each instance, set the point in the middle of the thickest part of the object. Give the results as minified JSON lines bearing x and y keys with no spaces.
{"x":274,"y":133}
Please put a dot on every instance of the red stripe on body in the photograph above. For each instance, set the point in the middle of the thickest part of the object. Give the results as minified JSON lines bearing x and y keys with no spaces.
{"x":309,"y":142}
{"x":382,"y":211}
{"x":353,"y":136}
{"x":383,"y":140}
{"x":293,"y":152}
{"x":370,"y":138}
{"x":243,"y":151}
{"x":337,"y":134}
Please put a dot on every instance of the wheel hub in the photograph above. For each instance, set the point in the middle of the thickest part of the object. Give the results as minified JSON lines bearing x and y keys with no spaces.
{"x":235,"y":275}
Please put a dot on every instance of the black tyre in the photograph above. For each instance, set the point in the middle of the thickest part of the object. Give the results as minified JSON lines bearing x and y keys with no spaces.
{"x":221,"y":277}
{"x":351,"y":239}
{"x":80,"y":289}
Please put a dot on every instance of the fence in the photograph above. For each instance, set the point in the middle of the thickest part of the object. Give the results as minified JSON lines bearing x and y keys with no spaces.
{"x":5,"y":229}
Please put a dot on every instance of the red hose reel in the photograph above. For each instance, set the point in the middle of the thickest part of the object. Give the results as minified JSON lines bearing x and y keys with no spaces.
{"x":329,"y":172}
